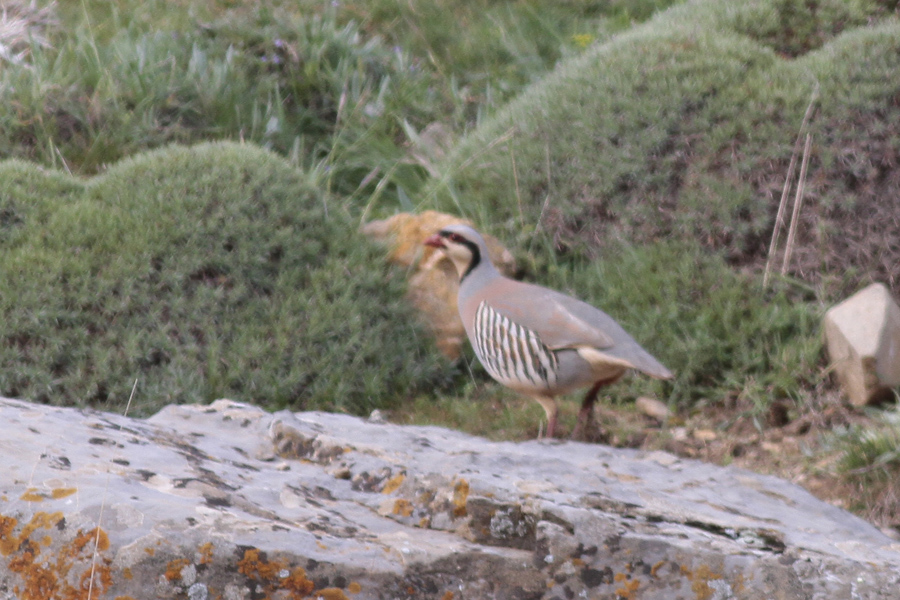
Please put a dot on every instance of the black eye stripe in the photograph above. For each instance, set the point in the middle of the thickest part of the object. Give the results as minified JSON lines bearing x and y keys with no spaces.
{"x":457,"y":238}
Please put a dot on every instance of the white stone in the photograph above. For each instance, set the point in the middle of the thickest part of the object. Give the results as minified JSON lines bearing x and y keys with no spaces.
{"x":862,"y":335}
{"x":207,"y":519}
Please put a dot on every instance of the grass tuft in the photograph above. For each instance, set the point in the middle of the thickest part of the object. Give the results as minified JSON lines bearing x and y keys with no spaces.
{"x":870,"y":462}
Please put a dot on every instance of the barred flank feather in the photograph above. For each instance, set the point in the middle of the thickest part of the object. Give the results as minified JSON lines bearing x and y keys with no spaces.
{"x":512,"y":354}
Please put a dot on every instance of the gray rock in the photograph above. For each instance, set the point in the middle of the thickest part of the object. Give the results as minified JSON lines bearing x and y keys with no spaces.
{"x":228,"y":501}
{"x":862,"y":334}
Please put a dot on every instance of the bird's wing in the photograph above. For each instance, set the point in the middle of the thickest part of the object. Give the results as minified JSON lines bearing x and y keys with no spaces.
{"x":557,"y":319}
{"x":565,"y":322}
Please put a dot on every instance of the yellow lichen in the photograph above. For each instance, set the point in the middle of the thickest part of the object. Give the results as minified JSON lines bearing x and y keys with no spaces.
{"x":331,"y":594}
{"x":393,"y":484}
{"x":206,"y":553}
{"x":700,"y":578}
{"x":629,"y":587}
{"x":58,"y":493}
{"x":402,"y":507}
{"x":460,"y":497}
{"x":32,"y":495}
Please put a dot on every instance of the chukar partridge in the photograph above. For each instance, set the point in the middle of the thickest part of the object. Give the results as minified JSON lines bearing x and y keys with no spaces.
{"x":535,"y":340}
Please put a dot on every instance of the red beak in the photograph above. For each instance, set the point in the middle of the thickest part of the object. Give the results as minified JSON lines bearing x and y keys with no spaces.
{"x":435,"y":241}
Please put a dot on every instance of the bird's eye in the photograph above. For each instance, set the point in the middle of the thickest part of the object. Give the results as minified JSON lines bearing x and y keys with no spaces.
{"x":455,"y":237}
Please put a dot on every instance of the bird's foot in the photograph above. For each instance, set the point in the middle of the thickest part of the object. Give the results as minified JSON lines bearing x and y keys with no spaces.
{"x":588,"y":429}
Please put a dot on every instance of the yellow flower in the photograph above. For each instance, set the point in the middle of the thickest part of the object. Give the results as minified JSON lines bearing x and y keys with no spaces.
{"x":583,"y":40}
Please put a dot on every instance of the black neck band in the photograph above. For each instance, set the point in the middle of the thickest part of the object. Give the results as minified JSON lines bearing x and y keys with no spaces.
{"x":476,"y":257}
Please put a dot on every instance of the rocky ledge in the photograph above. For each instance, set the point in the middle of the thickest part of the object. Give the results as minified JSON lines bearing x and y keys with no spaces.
{"x":228,"y":501}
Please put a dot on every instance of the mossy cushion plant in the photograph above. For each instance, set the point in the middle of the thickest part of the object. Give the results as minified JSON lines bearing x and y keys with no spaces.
{"x":684,"y":127}
{"x":203,"y":272}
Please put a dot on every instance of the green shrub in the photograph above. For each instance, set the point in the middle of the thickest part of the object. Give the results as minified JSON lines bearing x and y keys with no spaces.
{"x":714,"y":328}
{"x":683,"y":128}
{"x":202,"y":272}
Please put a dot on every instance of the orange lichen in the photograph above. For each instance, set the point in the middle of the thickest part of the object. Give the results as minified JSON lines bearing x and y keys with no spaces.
{"x":46,"y":577}
{"x":393,"y":484}
{"x":402,"y":507}
{"x":255,"y":566}
{"x":460,"y":497}
{"x":8,"y":542}
{"x":656,"y":567}
{"x":39,"y":582}
{"x":58,"y":493}
{"x":40,"y":520}
{"x":126,"y":573}
{"x":174,"y":567}
{"x":150,"y":551}
{"x":354,"y":588}
{"x":102,"y":580}
{"x":273,"y":576}
{"x":83,"y":539}
{"x":448,"y":595}
{"x":206,"y":553}
{"x":738,"y":585}
{"x":297,"y":583}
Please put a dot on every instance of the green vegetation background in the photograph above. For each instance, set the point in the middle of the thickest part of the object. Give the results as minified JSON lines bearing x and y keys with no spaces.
{"x":632,"y":154}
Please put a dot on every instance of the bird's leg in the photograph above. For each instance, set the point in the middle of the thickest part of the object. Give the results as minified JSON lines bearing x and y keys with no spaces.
{"x":587,"y":407}
{"x":550,"y":408}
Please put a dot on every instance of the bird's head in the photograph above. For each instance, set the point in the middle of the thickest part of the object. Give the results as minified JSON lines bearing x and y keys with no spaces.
{"x":462,"y":245}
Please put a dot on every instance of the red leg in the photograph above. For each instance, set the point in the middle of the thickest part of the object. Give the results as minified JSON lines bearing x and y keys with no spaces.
{"x":587,"y":407}
{"x":551,"y":425}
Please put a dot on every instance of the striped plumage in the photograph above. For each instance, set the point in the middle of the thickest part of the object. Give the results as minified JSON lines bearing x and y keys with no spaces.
{"x":535,"y":340}
{"x":513,"y":355}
